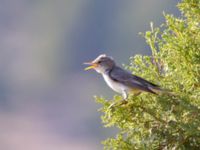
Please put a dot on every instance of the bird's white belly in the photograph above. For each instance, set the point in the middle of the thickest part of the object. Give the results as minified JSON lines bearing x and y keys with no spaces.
{"x":117,"y":87}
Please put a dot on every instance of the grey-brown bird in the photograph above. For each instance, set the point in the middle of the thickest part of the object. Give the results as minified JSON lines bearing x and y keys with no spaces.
{"x":119,"y":79}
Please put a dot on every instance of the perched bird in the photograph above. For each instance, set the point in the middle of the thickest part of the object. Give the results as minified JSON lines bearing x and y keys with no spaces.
{"x":120,"y":80}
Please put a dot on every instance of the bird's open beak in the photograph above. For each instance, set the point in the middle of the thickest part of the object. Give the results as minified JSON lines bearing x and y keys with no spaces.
{"x":92,"y":65}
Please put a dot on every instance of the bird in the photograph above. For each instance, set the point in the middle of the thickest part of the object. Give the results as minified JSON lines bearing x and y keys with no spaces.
{"x":120,"y":80}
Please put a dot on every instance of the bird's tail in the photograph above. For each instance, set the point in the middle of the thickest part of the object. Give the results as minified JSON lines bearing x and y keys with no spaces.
{"x":159,"y":90}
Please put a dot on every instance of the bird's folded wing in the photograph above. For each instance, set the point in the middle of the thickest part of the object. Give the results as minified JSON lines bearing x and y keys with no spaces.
{"x":123,"y":76}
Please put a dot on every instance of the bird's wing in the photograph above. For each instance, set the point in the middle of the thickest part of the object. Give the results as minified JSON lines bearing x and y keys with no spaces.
{"x":125,"y":77}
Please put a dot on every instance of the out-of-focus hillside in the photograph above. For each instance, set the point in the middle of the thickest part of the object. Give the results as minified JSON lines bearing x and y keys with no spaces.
{"x":45,"y":96}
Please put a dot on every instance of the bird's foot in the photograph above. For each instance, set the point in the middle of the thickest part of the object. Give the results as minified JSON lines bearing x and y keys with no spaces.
{"x":119,"y":103}
{"x":123,"y":102}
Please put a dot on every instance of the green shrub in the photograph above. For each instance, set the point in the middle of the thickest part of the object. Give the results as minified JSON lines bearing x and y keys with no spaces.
{"x":166,"y":121}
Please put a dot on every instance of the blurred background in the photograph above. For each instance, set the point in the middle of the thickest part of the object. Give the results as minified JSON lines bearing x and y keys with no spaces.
{"x":46,"y":98}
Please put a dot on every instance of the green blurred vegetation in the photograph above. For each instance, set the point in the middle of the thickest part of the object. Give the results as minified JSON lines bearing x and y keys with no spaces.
{"x":166,"y":121}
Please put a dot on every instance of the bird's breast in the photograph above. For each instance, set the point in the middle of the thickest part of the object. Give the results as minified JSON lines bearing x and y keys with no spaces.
{"x":116,"y":86}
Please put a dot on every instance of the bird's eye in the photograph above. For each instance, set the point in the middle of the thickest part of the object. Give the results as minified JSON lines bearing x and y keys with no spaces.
{"x":99,"y":62}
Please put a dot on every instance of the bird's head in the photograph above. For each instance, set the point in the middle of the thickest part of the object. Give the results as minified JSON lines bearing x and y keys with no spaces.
{"x":101,"y":64}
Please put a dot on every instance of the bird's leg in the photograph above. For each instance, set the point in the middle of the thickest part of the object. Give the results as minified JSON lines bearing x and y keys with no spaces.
{"x":125,"y":96}
{"x":122,"y":101}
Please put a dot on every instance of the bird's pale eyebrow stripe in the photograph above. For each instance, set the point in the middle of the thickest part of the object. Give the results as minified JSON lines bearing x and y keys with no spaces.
{"x":99,"y":57}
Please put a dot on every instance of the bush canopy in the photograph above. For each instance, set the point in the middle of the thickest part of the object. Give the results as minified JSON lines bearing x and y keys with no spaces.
{"x":164,"y":121}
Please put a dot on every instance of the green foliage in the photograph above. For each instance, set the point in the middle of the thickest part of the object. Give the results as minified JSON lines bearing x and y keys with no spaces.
{"x":165,"y":121}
